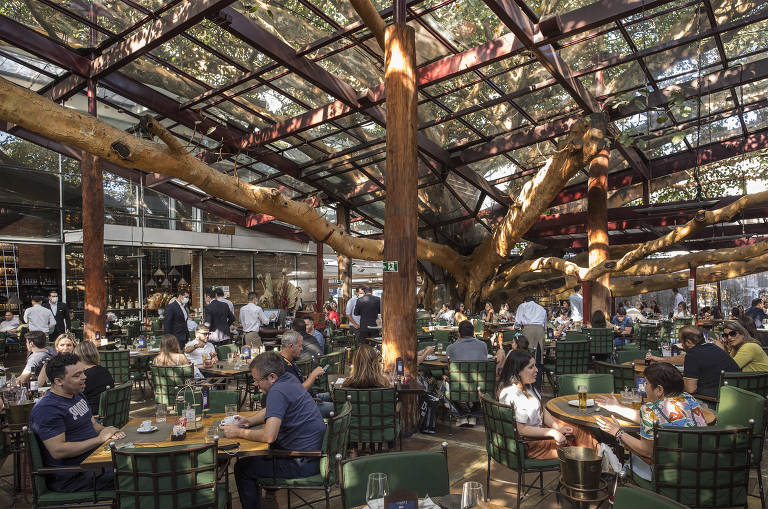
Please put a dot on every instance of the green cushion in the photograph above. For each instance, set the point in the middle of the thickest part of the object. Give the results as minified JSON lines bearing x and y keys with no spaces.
{"x":596,"y":383}
{"x":534,"y":464}
{"x":736,"y":406}
{"x":631,"y":497}
{"x":78,"y":497}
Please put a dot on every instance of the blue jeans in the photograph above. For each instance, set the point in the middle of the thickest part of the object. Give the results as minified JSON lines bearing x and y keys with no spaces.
{"x":81,"y":481}
{"x":248,"y":471}
{"x":619,"y":341}
{"x":325,"y":405}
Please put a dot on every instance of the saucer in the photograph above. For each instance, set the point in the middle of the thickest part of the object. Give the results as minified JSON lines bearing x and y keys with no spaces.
{"x":147,"y":430}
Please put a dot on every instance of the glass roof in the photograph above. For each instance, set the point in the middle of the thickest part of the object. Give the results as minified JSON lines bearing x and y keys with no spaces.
{"x":212,"y":72}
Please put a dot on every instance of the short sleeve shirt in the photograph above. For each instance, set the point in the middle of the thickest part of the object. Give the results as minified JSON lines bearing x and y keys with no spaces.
{"x":627,"y":322}
{"x":682,"y":411}
{"x":54,"y":415}
{"x":36,"y":360}
{"x":527,"y":408}
{"x":293,"y":368}
{"x":751,"y":358}
{"x":196,"y":355}
{"x":467,"y":349}
{"x":302,"y":426}
{"x":704,"y":363}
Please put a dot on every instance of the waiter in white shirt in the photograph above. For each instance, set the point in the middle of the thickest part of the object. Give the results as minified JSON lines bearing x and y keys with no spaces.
{"x":252,"y":317}
{"x":354,"y":320}
{"x":577,"y":304}
{"x":39,"y":318}
{"x":533,"y":319}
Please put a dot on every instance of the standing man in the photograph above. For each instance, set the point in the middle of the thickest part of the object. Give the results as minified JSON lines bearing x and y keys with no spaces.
{"x":291,"y":421}
{"x":220,"y":297}
{"x":39,"y":318}
{"x":218,"y":318}
{"x":60,"y":313}
{"x":252,"y":317}
{"x":368,"y":307}
{"x":175,"y":317}
{"x":354,"y":320}
{"x":533,"y":319}
{"x":577,"y":304}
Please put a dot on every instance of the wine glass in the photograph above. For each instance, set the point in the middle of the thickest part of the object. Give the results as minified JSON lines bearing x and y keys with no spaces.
{"x":472,"y":495}
{"x":378,"y":487}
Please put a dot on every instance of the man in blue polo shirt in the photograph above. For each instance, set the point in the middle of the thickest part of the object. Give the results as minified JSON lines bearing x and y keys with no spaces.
{"x":64,"y":424}
{"x":291,"y":421}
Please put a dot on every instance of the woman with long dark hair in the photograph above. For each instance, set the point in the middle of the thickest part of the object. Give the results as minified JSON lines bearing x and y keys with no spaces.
{"x":598,"y":320}
{"x":516,"y":388}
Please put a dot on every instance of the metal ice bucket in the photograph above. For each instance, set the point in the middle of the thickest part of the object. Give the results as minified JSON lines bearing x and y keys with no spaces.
{"x":580,"y":467}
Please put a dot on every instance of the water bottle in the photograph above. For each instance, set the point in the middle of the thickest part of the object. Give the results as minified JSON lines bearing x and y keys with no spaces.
{"x":189,"y":415}
{"x":400,"y":366}
{"x":205,"y":397}
{"x":142,"y":342}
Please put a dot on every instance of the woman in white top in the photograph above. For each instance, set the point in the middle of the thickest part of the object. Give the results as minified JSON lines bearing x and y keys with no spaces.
{"x":682,"y":311}
{"x":533,"y":420}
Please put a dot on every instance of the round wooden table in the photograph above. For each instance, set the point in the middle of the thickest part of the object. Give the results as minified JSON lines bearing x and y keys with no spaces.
{"x":560,"y":408}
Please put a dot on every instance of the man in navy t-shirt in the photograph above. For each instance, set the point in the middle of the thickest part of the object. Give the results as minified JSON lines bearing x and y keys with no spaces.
{"x":64,"y":424}
{"x":291,"y":422}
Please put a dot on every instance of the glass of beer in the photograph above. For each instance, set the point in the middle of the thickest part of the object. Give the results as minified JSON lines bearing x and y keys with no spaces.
{"x":582,"y":396}
{"x":637,"y":399}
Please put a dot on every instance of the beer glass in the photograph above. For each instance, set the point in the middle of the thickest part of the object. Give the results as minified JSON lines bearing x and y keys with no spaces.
{"x":582,"y":396}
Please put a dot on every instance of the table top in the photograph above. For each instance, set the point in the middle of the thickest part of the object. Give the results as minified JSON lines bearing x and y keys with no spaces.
{"x":441,"y":327}
{"x":560,"y":408}
{"x":225,"y":370}
{"x":135,"y":354}
{"x":102,"y":456}
{"x":488,"y":505}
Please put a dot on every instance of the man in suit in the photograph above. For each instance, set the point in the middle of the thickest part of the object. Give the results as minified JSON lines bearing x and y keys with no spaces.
{"x":218,"y":318}
{"x":175,"y":317}
{"x":60,"y":312}
{"x":368,"y":308}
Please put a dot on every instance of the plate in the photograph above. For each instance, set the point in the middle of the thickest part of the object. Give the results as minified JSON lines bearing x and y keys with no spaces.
{"x":575,"y":402}
{"x":150,"y":430}
{"x":430,"y":358}
{"x":491,"y":356}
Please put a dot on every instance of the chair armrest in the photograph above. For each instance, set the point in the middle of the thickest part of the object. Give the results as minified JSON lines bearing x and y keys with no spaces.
{"x":531,"y":440}
{"x":706,"y":398}
{"x":58,"y":470}
{"x":280,"y":453}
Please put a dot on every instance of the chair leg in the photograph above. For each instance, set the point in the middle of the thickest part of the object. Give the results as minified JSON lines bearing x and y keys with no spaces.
{"x":760,"y":485}
{"x":288,"y":494}
{"x":541,"y":482}
{"x":519,"y":488}
{"x":488,"y":481}
{"x":328,"y":498}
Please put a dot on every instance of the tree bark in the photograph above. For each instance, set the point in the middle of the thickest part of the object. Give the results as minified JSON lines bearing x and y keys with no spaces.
{"x":597,"y":234}
{"x":370,"y":16}
{"x":343,"y":261}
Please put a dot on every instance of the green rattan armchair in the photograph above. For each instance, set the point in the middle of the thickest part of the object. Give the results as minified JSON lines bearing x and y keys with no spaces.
{"x":115,"y":405}
{"x":118,"y":362}
{"x":623,"y":376}
{"x":168,"y":379}
{"x":375,"y":417}
{"x":596,"y":383}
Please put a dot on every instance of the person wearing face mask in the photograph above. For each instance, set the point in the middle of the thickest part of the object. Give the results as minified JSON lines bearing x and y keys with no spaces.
{"x":60,"y":312}
{"x":176,"y":314}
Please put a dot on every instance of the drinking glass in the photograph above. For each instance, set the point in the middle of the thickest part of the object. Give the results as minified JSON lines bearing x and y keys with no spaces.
{"x":230,"y":358}
{"x":378,"y":487}
{"x":230,"y":410}
{"x":160,"y":413}
{"x":582,"y":396}
{"x":472,"y":495}
{"x":637,"y":399}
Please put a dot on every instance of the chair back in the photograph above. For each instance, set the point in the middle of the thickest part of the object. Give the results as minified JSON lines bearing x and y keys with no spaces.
{"x":465,"y":378}
{"x":335,"y":442}
{"x":623,"y":356}
{"x":442,"y":336}
{"x":623,"y":376}
{"x":157,"y":325}
{"x":632,"y":497}
{"x":218,"y":399}
{"x":596,"y":383}
{"x":115,"y":405}
{"x":166,"y":477}
{"x":571,"y":357}
{"x":600,"y":340}
{"x":39,"y":486}
{"x":118,"y":362}
{"x":336,"y":363}
{"x":305,"y":365}
{"x":502,"y":441}
{"x":421,"y":323}
{"x":425,"y":472}
{"x":756,"y":382}
{"x":572,"y":335}
{"x":224,"y":350}
{"x":702,"y":467}
{"x":374,"y":413}
{"x":168,"y":379}
{"x":736,"y":407}
{"x":648,"y":337}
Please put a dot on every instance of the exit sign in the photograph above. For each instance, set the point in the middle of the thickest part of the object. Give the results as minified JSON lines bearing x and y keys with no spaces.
{"x":339,"y":281}
{"x":390,"y":266}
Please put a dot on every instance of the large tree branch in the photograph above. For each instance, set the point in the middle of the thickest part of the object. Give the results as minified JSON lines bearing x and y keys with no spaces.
{"x":371,"y":18}
{"x":697,"y":259}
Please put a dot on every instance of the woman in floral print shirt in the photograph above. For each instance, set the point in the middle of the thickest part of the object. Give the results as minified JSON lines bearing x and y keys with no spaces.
{"x":666,"y":404}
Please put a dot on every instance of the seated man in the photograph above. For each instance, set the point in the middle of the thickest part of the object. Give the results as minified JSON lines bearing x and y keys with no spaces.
{"x":64,"y":424}
{"x":292,"y":345}
{"x":39,"y":353}
{"x":291,"y":422}
{"x":199,"y":346}
{"x":311,"y":345}
{"x":10,"y":327}
{"x":467,"y":348}
{"x":622,"y":326}
{"x":310,"y":323}
{"x":703,"y":363}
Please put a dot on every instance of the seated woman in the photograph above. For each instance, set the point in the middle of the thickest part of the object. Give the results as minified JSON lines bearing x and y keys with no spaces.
{"x":533,"y":420}
{"x":562,"y":323}
{"x":97,"y":377}
{"x":598,"y":320}
{"x":519,"y":343}
{"x":366,"y":370}
{"x":64,"y":343}
{"x":505,"y":313}
{"x":458,"y":315}
{"x":488,"y":314}
{"x":745,"y":350}
{"x":667,"y":404}
{"x":682,"y":311}
{"x":170,"y":353}
{"x":332,"y":315}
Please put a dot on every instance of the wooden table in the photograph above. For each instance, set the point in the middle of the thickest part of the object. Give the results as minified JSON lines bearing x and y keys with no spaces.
{"x":226,"y":370}
{"x":141,"y":353}
{"x":434,"y":328}
{"x":587,"y":417}
{"x":103,"y":457}
{"x":488,"y":505}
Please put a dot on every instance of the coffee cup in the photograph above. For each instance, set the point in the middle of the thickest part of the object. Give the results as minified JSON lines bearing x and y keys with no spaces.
{"x":146,"y":425}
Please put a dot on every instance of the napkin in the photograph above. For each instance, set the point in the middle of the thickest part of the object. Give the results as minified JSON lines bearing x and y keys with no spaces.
{"x":426,"y":503}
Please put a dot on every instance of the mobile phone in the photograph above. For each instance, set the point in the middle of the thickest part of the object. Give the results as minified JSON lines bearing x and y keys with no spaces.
{"x":325,"y":368}
{"x":229,"y":447}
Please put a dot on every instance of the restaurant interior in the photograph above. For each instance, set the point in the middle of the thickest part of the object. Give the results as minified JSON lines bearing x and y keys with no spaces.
{"x":367,"y":254}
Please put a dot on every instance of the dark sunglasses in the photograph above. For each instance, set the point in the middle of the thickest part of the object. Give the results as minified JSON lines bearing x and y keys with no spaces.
{"x":732,"y":334}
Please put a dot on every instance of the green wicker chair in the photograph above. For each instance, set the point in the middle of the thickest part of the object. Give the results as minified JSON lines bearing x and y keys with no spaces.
{"x":224,"y":350}
{"x":623,"y":356}
{"x":575,"y":336}
{"x":334,"y":450}
{"x":169,"y":477}
{"x":596,"y":383}
{"x":423,"y":472}
{"x":701,"y":467}
{"x":442,"y":336}
{"x":140,"y":372}
{"x":506,"y":446}
{"x":217,"y":400}
{"x":756,"y":382}
{"x":623,"y":376}
{"x":648,"y":337}
{"x":115,"y":405}
{"x":42,"y":496}
{"x":118,"y":362}
{"x":375,"y":418}
{"x":632,"y":497}
{"x":571,"y":357}
{"x":600,"y":342}
{"x":167,"y":380}
{"x":336,"y":363}
{"x":466,"y":378}
{"x":740,"y":407}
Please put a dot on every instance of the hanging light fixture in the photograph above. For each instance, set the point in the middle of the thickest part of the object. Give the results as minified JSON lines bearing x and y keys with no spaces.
{"x":183,"y":282}
{"x":166,"y":283}
{"x":151,"y":283}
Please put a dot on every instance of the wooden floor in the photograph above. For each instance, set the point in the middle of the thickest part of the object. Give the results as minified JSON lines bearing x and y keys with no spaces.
{"x":467,"y":461}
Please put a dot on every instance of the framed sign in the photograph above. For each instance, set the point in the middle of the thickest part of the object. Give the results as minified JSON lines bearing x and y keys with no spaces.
{"x":390,"y":266}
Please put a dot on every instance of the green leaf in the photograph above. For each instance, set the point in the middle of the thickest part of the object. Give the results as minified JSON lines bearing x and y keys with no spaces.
{"x":678,"y":137}
{"x":639,"y":103}
{"x":254,"y":8}
{"x":642,"y":144}
{"x":271,"y":15}
{"x":661,"y":119}
{"x":210,"y":130}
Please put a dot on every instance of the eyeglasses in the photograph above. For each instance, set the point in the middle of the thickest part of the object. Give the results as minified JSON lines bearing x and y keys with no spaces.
{"x":259,"y":380}
{"x":732,"y":333}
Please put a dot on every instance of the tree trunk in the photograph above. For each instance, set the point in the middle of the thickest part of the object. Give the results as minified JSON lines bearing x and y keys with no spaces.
{"x":344,"y":262}
{"x":599,"y":297}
